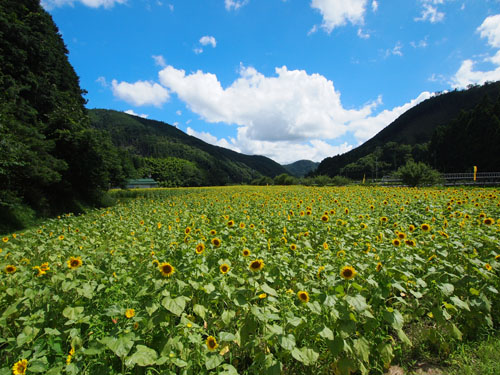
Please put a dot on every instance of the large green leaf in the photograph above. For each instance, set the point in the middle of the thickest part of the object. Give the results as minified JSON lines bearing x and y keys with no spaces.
{"x":143,"y":356}
{"x":175,"y":305}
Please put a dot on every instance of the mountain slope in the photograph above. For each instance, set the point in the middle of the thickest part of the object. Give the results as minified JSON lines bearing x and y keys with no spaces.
{"x":301,"y":167}
{"x":414,"y":127}
{"x":146,"y":138}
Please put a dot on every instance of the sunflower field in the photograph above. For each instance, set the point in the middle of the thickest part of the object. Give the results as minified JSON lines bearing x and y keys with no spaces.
{"x":250,"y":280}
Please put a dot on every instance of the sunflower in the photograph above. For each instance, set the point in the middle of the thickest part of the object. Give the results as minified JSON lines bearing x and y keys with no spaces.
{"x":230,"y":223}
{"x":379,"y":266}
{"x":303,"y":296}
{"x":411,"y":228}
{"x":45,"y":266}
{"x":488,"y":266}
{"x":425,"y":227}
{"x":216,"y":242}
{"x":130,"y":313}
{"x":61,"y":237}
{"x":166,"y":269}
{"x":155,"y":262}
{"x":141,"y":222}
{"x":401,"y":235}
{"x":262,"y":295}
{"x":213,"y":232}
{"x":187,"y":230}
{"x":242,"y":225}
{"x":246,"y":252}
{"x":224,"y":268}
{"x":159,"y":225}
{"x":211,"y":343}
{"x":39,"y":270}
{"x":256,"y":265}
{"x":341,"y":253}
{"x":384,"y":219}
{"x":10,"y":269}
{"x":497,"y":257}
{"x":348,"y":272}
{"x":325,"y":218}
{"x":363,"y":226}
{"x":293,"y":247}
{"x":5,"y":239}
{"x":410,"y":242}
{"x":325,"y":246}
{"x":320,"y":269}
{"x":488,"y":221}
{"x":396,"y":242}
{"x":74,"y":262}
{"x":200,"y":248}
{"x":20,"y":367}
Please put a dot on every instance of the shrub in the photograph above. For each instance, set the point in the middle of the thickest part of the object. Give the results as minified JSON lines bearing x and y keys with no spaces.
{"x":418,"y":174}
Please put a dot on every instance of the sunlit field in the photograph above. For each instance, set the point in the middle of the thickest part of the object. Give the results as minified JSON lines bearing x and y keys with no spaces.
{"x":251,"y":280}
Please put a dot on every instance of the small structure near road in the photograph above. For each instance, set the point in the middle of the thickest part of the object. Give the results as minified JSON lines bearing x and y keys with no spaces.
{"x":141,"y":183}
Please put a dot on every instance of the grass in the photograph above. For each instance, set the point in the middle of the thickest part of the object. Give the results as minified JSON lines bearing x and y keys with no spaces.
{"x":480,"y":358}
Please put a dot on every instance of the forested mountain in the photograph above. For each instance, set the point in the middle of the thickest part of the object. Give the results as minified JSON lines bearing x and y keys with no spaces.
{"x":301,"y":167}
{"x":409,"y":137}
{"x":159,"y":150}
{"x":51,"y":160}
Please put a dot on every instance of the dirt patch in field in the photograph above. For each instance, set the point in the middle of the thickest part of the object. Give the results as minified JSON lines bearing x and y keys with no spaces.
{"x":422,"y":369}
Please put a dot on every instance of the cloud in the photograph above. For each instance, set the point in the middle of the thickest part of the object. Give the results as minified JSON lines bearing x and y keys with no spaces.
{"x":131,"y":112}
{"x":159,"y":60}
{"x":292,"y":106}
{"x":338,"y":12}
{"x":50,"y":4}
{"x":490,"y":29}
{"x":466,"y":74}
{"x":235,"y":4}
{"x":102,"y":81}
{"x":209,"y":138}
{"x":374,"y":5}
{"x":420,"y":44}
{"x":206,"y":40}
{"x":362,"y":34}
{"x":287,"y":116}
{"x":430,"y":13}
{"x":140,"y":93}
{"x":198,"y":50}
{"x":396,"y":50}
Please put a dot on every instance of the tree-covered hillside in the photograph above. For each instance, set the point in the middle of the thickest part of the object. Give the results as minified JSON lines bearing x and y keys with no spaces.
{"x":301,"y":168}
{"x":174,"y":158}
{"x":409,"y":136}
{"x":51,"y":160}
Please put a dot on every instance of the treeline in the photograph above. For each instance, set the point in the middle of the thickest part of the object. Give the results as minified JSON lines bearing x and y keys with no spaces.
{"x":155,"y":149}
{"x":51,"y":159}
{"x":468,"y":116}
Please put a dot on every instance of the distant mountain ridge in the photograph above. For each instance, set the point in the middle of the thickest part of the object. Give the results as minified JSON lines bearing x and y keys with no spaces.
{"x":301,"y":168}
{"x":210,"y":165}
{"x":408,"y":136}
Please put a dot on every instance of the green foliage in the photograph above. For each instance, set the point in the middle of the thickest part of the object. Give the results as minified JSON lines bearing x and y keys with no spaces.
{"x":172,"y":172}
{"x":471,"y":139}
{"x":50,"y":159}
{"x":416,"y":128}
{"x":139,"y":138}
{"x":285,"y":179}
{"x":418,"y":174}
{"x":301,"y":168}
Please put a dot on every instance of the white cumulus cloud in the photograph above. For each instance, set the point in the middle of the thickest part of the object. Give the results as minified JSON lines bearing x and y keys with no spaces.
{"x":50,"y":4}
{"x":490,"y":29}
{"x":338,"y":12}
{"x":287,"y":116}
{"x":206,"y":40}
{"x":131,"y":112}
{"x":140,"y":93}
{"x":467,"y":74}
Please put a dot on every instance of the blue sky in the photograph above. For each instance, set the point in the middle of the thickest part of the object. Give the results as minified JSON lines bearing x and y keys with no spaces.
{"x":288,"y":79}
